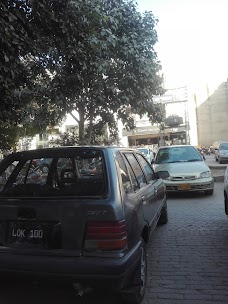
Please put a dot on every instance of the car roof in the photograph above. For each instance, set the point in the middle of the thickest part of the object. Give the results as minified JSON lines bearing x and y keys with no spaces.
{"x":175,"y":146}
{"x":222,"y":142}
{"x":49,"y":151}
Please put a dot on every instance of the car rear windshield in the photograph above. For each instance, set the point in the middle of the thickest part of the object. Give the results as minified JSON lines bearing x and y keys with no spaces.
{"x":80,"y":173}
{"x":144,"y":151}
{"x":223,"y":146}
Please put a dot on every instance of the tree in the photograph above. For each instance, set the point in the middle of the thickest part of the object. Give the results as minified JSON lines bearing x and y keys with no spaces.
{"x":65,"y":139}
{"x":14,"y":43}
{"x":10,"y":134}
{"x":124,"y":71}
{"x":93,"y":56}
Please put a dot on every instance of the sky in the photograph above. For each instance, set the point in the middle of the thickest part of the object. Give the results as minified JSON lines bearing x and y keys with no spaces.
{"x":193,"y":44}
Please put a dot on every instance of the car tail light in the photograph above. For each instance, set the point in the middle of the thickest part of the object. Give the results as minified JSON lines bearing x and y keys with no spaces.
{"x":105,"y":236}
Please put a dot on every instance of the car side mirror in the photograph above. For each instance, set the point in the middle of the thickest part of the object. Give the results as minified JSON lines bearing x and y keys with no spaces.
{"x":163,"y":174}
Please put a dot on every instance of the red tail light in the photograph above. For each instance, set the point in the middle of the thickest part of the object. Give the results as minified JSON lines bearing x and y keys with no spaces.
{"x":105,"y":236}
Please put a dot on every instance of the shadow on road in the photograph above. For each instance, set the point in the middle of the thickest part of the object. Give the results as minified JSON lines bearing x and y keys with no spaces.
{"x":192,"y":195}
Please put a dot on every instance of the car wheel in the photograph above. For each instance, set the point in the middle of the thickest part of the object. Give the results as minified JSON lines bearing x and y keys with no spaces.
{"x":209,"y":192}
{"x":226,"y":203}
{"x":164,"y":215}
{"x":135,"y":293}
{"x":45,"y":169}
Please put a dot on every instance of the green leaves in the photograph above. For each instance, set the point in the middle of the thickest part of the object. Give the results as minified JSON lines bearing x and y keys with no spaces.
{"x":93,"y":56}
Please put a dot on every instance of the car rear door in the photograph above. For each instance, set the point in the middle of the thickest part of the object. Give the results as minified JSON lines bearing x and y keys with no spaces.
{"x":147,"y":192}
{"x":154,"y":182}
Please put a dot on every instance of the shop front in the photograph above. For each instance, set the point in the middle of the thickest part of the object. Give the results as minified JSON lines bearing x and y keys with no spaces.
{"x":152,"y":135}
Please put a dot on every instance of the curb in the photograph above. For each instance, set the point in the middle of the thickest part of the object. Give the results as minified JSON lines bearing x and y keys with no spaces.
{"x":217,"y":167}
{"x":218,"y":172}
{"x":219,"y":178}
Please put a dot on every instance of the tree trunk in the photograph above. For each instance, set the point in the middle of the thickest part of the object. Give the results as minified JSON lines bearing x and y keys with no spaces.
{"x":90,"y":128}
{"x":81,"y":125}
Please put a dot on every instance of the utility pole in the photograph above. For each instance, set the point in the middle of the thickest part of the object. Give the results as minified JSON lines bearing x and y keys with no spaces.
{"x":186,"y":116}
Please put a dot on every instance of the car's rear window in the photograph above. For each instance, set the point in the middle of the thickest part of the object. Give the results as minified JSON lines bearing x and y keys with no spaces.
{"x":79,"y":173}
{"x":223,"y":146}
{"x":144,"y":151}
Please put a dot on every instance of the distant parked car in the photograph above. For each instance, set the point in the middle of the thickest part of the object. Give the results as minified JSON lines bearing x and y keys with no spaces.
{"x":88,"y":219}
{"x":186,"y":167}
{"x":221,"y":152}
{"x":148,"y":153}
{"x":226,"y":191}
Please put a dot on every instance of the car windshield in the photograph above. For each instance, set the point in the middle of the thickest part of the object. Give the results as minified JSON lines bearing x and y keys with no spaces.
{"x":177,"y":154}
{"x":79,"y":174}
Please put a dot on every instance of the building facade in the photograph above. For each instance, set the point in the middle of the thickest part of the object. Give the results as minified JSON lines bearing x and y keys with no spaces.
{"x":175,"y":106}
{"x":212,"y":117}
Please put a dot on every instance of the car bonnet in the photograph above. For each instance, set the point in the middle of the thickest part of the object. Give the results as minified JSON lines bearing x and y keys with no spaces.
{"x":183,"y":167}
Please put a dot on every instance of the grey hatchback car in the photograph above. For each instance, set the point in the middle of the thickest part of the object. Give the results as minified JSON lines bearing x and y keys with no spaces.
{"x":88,"y":219}
{"x":221,"y":152}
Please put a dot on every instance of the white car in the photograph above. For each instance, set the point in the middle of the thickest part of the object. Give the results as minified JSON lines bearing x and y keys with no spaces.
{"x":226,"y":191}
{"x":148,"y":153}
{"x":186,"y":167}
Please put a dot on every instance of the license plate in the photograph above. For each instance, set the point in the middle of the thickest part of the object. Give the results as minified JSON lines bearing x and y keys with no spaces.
{"x":184,"y":187}
{"x":31,"y":234}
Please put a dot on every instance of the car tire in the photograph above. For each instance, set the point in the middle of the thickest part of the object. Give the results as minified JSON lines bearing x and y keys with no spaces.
{"x":164,"y":215}
{"x":209,"y":192}
{"x":135,"y":293}
{"x":226,"y":203}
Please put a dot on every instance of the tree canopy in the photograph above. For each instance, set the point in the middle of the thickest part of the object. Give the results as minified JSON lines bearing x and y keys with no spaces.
{"x":93,"y":56}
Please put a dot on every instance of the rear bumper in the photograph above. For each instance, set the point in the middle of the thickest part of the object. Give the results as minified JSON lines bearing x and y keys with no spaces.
{"x":93,"y":271}
{"x":223,"y":158}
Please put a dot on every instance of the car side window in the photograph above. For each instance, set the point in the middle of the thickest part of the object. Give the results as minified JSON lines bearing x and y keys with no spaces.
{"x":133,"y":178}
{"x":124,"y":174}
{"x":141,"y":179}
{"x":147,"y":168}
{"x":6,"y":174}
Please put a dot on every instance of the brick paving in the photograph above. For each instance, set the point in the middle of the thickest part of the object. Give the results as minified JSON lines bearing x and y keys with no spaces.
{"x":188,"y":257}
